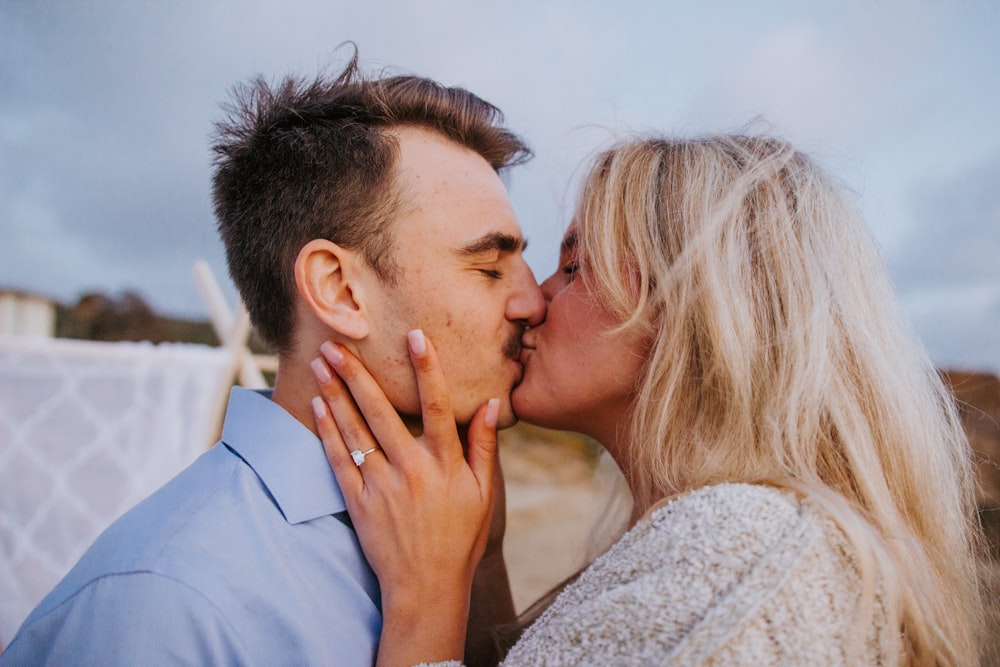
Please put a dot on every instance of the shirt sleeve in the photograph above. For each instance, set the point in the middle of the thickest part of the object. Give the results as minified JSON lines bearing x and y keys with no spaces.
{"x":128,"y":619}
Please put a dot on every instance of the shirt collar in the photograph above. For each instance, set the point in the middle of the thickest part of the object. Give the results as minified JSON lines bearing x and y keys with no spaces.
{"x":287,"y":457}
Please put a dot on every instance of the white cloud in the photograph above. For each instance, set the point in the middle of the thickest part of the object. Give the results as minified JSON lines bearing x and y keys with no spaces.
{"x":947,"y":269}
{"x":954,"y":240}
{"x":959,"y":327}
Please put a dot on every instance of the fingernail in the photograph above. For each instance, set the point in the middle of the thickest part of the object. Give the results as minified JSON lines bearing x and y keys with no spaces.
{"x":417,"y":343}
{"x":492,"y":412}
{"x":320,"y":371}
{"x":319,"y":407}
{"x":332,"y":353}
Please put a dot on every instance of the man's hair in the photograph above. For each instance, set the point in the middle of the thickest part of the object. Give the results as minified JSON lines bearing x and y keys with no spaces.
{"x":778,"y":355}
{"x":308,"y":159}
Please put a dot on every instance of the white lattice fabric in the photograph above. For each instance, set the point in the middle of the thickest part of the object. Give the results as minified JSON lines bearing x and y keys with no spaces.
{"x":86,"y":431}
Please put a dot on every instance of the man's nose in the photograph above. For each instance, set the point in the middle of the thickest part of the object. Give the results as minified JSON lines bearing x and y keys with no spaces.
{"x":528,"y":303}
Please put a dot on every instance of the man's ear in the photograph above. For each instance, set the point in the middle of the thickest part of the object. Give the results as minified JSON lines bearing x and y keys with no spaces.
{"x":330,"y":281}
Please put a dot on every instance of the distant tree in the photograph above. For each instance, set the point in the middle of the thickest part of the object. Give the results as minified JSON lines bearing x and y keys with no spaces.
{"x":129,"y":317}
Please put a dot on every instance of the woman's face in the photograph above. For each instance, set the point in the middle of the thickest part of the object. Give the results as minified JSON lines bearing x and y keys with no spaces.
{"x":577,"y":376}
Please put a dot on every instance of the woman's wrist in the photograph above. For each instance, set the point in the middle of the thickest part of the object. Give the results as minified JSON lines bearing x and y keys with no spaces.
{"x":423,"y":628}
{"x":410,"y":605}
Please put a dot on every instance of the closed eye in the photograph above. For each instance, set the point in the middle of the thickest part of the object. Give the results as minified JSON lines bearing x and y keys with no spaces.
{"x":492,"y":273}
{"x":571,"y":269}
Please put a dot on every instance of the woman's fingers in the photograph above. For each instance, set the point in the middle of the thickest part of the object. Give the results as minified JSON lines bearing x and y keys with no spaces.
{"x":439,"y":420}
{"x":350,"y":425}
{"x":483,"y":444}
{"x":364,"y":418}
{"x":435,"y":399}
{"x":347,"y":473}
{"x":377,"y":423}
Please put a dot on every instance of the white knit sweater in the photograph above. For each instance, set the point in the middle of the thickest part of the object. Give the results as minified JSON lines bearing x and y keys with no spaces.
{"x":733,"y":574}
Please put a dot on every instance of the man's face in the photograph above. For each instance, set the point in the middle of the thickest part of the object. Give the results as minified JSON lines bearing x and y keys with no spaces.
{"x":463,"y":280}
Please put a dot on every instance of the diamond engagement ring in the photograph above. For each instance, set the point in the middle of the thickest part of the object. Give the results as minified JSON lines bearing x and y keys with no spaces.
{"x":359,"y":456}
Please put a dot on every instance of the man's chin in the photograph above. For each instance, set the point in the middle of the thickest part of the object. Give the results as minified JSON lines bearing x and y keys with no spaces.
{"x":506,"y":421}
{"x":506,"y":417}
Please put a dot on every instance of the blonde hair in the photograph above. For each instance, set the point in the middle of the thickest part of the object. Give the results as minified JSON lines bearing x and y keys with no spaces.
{"x":778,"y":356}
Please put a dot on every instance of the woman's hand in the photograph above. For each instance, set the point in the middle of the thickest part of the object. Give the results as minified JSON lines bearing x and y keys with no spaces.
{"x":421,"y":511}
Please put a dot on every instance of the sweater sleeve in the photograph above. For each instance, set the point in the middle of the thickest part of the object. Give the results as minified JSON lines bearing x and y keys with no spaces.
{"x":713,"y":577}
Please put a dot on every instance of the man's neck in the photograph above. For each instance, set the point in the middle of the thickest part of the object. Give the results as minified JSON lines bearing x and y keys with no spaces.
{"x":294,"y":389}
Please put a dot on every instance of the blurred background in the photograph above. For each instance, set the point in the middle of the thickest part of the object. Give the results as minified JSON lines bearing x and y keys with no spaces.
{"x":106,"y":109}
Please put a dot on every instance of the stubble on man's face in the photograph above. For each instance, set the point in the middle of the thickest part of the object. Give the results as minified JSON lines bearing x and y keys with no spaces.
{"x":460,"y":299}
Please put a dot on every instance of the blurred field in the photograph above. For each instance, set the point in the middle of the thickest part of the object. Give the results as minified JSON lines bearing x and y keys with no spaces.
{"x":554,"y":501}
{"x":978,"y":398}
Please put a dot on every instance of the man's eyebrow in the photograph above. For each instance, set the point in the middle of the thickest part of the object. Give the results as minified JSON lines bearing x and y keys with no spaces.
{"x":494,"y":241}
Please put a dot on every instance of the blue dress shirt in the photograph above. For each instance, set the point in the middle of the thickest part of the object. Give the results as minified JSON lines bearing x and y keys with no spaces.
{"x":247,"y":557}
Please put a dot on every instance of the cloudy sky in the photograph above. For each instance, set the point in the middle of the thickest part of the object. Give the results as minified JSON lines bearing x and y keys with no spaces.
{"x":106,"y":107}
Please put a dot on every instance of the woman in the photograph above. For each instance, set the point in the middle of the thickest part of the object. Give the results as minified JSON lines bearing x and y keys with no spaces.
{"x":722,"y":323}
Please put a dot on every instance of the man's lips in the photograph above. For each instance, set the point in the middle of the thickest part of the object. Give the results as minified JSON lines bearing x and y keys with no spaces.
{"x":523,"y":352}
{"x":527,"y":338}
{"x":526,"y":348}
{"x":512,"y":350}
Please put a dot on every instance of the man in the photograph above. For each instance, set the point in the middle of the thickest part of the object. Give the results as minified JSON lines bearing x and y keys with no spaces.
{"x":353,"y":210}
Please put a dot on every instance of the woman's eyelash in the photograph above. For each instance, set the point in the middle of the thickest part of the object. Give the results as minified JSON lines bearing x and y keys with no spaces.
{"x":570,"y":269}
